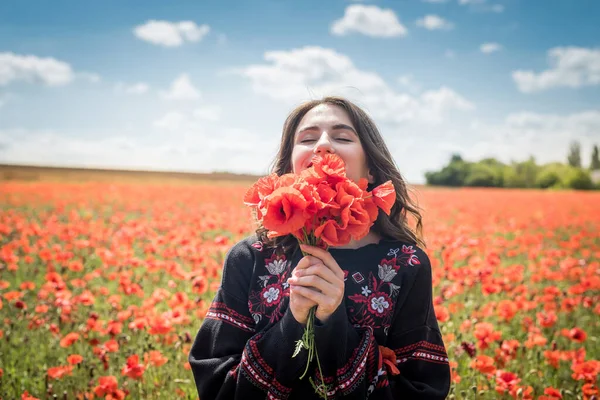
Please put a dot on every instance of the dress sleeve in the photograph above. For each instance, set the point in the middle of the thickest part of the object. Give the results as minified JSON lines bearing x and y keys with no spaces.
{"x":354,"y":366}
{"x":229,"y":360}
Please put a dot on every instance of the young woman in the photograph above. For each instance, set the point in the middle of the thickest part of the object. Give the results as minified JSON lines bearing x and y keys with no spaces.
{"x":376,"y":332}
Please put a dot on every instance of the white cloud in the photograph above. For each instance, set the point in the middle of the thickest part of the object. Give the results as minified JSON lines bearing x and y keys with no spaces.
{"x":467,"y":2}
{"x":489,"y":48}
{"x":170,"y":34}
{"x":409,"y":82}
{"x":571,"y":67}
{"x":545,"y":136}
{"x":497,"y":8}
{"x":434,"y":1}
{"x":91,"y":77}
{"x":368,"y":20}
{"x":189,"y":151}
{"x":208,"y":113}
{"x":136,"y":88}
{"x":449,"y":53}
{"x":182,"y":89}
{"x":581,"y":124}
{"x":33,"y":69}
{"x":291,"y":75}
{"x":434,"y":22}
{"x":178,"y":121}
{"x":171,"y":121}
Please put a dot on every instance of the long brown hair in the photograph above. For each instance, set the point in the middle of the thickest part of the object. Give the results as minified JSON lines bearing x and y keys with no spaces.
{"x":380,"y":164}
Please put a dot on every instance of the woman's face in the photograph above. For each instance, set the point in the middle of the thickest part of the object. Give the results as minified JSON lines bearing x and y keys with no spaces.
{"x":326,"y":129}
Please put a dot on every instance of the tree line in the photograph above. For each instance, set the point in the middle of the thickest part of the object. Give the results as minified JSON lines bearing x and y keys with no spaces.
{"x":490,"y":172}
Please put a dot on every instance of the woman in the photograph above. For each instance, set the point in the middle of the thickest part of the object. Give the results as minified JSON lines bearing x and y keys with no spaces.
{"x":376,"y":332}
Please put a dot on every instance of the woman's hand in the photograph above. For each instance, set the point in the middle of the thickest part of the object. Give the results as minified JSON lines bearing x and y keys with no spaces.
{"x":299,"y":304}
{"x":319,"y":279}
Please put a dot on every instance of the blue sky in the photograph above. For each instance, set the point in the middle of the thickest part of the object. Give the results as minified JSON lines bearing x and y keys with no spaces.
{"x":203,"y":86}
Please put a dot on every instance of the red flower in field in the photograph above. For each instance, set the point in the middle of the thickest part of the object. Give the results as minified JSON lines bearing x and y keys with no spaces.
{"x":589,"y":391}
{"x":159,"y":325}
{"x":59,"y":372}
{"x":483,"y":364}
{"x":506,"y":381}
{"x":113,"y":328}
{"x":535,"y":339}
{"x":155,"y":358}
{"x":74,"y":359}
{"x":133,"y":368}
{"x":576,"y":334}
{"x":108,"y":387}
{"x":468,"y":348}
{"x":587,"y":370}
{"x":441,"y":313}
{"x":485,"y":334}
{"x":506,"y":309}
{"x":41,"y":309}
{"x":27,"y":285}
{"x":112,"y":346}
{"x":553,"y":357}
{"x":27,"y":396}
{"x":551,"y":394}
{"x":13,"y":295}
{"x":547,"y":319}
{"x":69,"y":339}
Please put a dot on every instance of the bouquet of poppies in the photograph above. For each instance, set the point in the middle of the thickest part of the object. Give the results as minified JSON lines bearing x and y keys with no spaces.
{"x":321,"y":207}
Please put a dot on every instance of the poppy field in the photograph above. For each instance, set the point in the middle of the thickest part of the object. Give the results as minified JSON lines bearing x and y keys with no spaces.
{"x":103,"y":286}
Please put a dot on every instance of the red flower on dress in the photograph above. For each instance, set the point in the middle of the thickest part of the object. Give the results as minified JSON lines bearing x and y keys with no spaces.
{"x":388,"y":359}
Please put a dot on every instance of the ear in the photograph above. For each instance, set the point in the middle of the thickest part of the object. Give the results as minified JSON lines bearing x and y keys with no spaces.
{"x":370,"y":177}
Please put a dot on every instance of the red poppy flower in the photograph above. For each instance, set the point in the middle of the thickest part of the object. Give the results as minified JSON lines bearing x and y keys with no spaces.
{"x":388,"y":359}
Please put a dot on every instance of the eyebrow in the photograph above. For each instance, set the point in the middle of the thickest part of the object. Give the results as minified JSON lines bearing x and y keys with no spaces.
{"x":334,"y":128}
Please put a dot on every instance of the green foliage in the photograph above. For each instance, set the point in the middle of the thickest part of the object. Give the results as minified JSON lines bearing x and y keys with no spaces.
{"x":595,"y":163}
{"x":574,"y":157}
{"x":490,"y":172}
{"x":578,"y":179}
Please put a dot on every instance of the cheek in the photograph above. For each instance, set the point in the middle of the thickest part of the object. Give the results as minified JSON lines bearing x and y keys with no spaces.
{"x":296,"y":159}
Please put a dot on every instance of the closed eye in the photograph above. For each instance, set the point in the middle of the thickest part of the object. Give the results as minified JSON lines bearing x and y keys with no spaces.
{"x":313,"y":140}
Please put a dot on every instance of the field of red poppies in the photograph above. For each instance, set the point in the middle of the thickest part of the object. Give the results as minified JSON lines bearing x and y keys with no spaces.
{"x":103,"y":287}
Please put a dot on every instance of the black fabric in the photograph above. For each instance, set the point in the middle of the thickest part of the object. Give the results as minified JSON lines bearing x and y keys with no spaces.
{"x":244,"y":347}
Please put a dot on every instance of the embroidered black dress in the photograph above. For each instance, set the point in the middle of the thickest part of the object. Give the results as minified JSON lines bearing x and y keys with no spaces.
{"x":244,"y":347}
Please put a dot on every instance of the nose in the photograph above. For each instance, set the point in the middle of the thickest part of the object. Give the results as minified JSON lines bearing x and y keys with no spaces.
{"x":323,"y":145}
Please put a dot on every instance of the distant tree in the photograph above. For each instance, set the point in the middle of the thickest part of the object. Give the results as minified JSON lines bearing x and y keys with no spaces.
{"x":595,"y":164}
{"x":481,"y":174}
{"x":579,"y":179}
{"x":574,"y":156}
{"x":456,"y":158}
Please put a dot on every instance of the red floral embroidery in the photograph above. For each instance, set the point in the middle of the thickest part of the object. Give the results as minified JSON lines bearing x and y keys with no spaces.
{"x":266,"y":297}
{"x":374,"y":304}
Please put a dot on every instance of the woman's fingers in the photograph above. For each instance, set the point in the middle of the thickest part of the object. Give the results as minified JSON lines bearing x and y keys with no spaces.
{"x":312,"y":281}
{"x":325,"y":257}
{"x":309,"y":294}
{"x":320,"y":270}
{"x":306,"y":262}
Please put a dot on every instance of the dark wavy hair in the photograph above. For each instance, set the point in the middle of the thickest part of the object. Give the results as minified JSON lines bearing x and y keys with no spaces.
{"x":380,"y":164}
